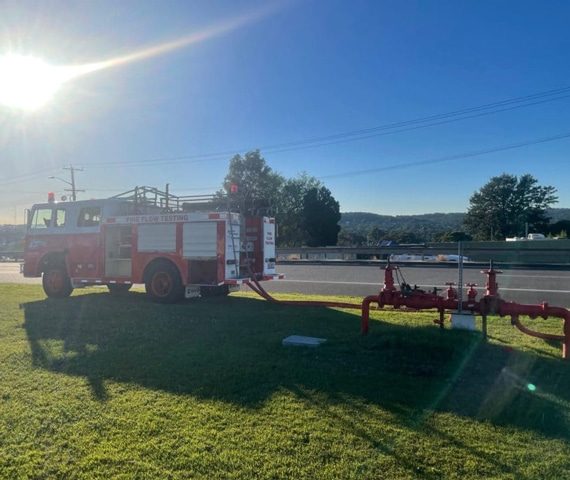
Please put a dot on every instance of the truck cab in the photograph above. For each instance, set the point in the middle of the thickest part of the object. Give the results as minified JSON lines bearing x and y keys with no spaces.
{"x":64,"y":239}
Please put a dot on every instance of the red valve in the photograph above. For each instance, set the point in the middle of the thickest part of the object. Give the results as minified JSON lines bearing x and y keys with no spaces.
{"x":451,"y":292}
{"x":492,"y":285}
{"x":389,"y":278}
{"x":471,"y":293}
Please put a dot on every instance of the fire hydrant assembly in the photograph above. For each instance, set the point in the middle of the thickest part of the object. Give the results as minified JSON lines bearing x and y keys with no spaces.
{"x":416,"y":299}
{"x":490,"y":304}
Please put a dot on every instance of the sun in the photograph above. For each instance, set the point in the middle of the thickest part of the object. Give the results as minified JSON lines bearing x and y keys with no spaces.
{"x":28,"y":83}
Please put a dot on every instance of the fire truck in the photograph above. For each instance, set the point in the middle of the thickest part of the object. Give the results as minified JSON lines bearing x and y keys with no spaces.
{"x":176,"y":246}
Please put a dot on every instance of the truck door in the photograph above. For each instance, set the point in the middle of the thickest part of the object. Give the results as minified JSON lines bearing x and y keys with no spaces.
{"x":85,"y":256}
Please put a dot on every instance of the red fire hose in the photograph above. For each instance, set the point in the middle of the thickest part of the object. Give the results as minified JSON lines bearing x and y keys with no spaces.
{"x":257,"y":288}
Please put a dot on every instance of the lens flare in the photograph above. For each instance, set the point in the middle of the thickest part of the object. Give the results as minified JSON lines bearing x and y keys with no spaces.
{"x":212,"y":31}
{"x":28,"y":83}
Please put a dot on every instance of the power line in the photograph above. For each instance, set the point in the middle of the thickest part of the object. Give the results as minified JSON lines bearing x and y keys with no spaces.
{"x":29,"y":176}
{"x":460,"y":112}
{"x":460,"y":156}
{"x":341,"y":137}
{"x":192,"y":189}
{"x":418,"y":127}
{"x":119,"y":190}
{"x":448,"y":158}
{"x":355,"y":135}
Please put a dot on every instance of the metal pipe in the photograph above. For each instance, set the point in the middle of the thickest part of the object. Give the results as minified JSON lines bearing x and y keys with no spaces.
{"x":365,"y":311}
{"x":544,"y":336}
{"x":566,"y":343}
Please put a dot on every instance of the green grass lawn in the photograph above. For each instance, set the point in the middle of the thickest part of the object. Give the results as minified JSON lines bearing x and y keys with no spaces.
{"x":100,"y":387}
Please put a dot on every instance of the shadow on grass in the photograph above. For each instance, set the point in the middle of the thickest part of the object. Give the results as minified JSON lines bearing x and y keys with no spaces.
{"x":230,"y":349}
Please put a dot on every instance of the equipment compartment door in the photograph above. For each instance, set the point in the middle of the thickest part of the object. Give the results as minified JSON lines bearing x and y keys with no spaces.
{"x":268,"y":246}
{"x":118,"y":251}
{"x":202,"y":246}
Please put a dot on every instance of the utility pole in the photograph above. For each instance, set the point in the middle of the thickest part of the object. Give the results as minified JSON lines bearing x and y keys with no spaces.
{"x":73,"y":188}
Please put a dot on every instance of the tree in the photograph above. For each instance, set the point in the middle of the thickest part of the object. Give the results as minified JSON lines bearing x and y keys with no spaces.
{"x":305,"y":210}
{"x":321,"y":214}
{"x":258,"y":185}
{"x":558,"y":227}
{"x":405,"y":236}
{"x":350,"y":238}
{"x":291,"y":209}
{"x":374,"y":235}
{"x":454,"y":237}
{"x":505,"y":205}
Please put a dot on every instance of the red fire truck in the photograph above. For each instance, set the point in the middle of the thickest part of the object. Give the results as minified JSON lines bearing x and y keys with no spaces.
{"x":175,"y":246}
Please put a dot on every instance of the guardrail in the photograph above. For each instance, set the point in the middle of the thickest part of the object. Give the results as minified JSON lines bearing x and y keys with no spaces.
{"x":524,"y":252}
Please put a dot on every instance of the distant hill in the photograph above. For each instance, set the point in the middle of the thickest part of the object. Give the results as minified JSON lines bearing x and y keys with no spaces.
{"x":358,"y":221}
{"x":557,"y":214}
{"x":428,"y":222}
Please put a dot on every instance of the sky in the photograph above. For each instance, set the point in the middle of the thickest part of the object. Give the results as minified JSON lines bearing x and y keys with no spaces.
{"x":256,"y":74}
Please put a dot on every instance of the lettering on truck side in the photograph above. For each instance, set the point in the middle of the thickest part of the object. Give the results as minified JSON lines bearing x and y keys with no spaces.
{"x":150,"y":219}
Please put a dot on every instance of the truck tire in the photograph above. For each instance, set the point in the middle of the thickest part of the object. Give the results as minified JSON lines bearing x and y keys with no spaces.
{"x":217,"y":291}
{"x":163,"y":284}
{"x":119,"y":288}
{"x":56,"y":282}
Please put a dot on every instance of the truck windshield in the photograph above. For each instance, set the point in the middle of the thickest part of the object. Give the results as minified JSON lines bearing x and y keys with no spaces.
{"x":41,"y":218}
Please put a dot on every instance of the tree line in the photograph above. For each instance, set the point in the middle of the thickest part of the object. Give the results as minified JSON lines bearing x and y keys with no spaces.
{"x":307,"y":213}
{"x":506,"y":206}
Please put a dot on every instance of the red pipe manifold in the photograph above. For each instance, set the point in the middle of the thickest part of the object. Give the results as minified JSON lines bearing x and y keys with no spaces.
{"x":416,"y":299}
{"x":490,"y":304}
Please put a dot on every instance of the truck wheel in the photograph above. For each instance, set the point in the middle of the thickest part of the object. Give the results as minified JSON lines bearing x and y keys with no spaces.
{"x":56,"y":282}
{"x":119,"y":288}
{"x":217,"y":291}
{"x":163,"y":283}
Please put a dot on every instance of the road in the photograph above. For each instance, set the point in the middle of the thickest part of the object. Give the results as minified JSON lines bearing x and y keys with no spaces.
{"x":524,"y":286}
{"x":10,"y":273}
